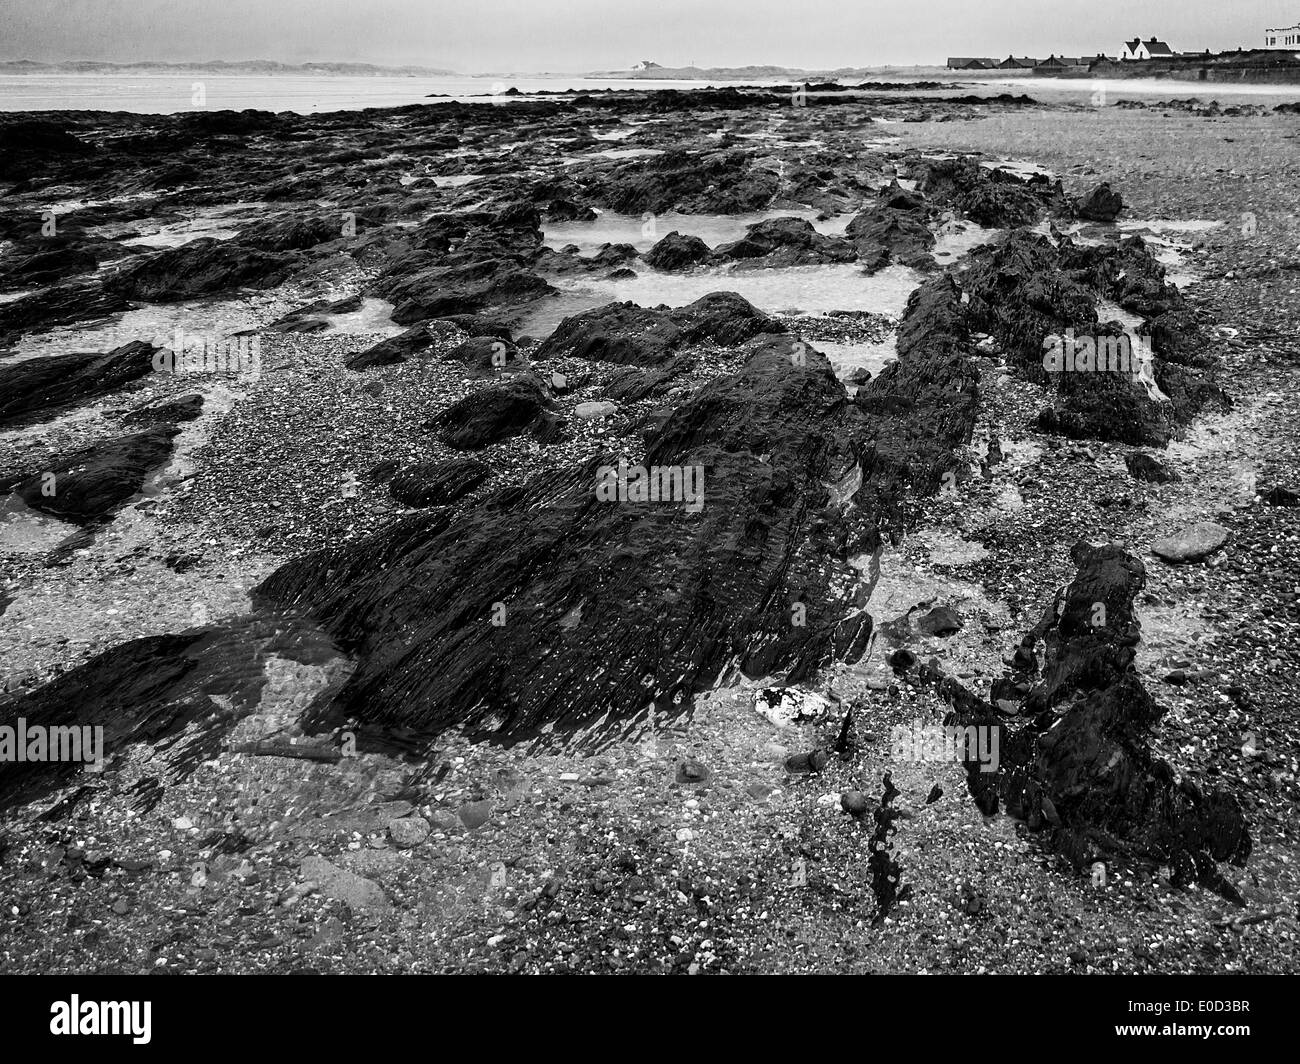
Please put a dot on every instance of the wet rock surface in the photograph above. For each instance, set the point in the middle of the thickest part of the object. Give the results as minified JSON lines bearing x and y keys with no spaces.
{"x":88,"y":484}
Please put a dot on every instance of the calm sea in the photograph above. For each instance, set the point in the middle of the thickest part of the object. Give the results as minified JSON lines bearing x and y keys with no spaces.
{"x":170,"y":93}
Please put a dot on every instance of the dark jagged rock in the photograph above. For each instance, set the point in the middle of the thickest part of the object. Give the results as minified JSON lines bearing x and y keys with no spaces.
{"x":54,"y":259}
{"x":923,"y":405}
{"x":563,"y":210}
{"x":883,"y":235}
{"x":724,"y":182}
{"x":633,"y":335}
{"x":461,"y":289}
{"x":200,"y":268}
{"x":1100,"y":205}
{"x":1041,"y":301}
{"x":1143,"y":466}
{"x":292,"y":232}
{"x":28,"y":146}
{"x":782,"y":452}
{"x":492,"y":414}
{"x":310,"y":318}
{"x":990,"y":197}
{"x":777,"y":242}
{"x":401,"y":348}
{"x":39,"y":386}
{"x":1080,"y":769}
{"x":886,"y":872}
{"x":897,"y":198}
{"x":677,"y":251}
{"x":461,"y":263}
{"x":1000,"y":205}
{"x":438,"y":483}
{"x":85,"y":485}
{"x":942,"y":620}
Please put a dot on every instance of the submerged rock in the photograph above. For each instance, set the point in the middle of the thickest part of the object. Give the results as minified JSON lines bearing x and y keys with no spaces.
{"x":1191,"y":544}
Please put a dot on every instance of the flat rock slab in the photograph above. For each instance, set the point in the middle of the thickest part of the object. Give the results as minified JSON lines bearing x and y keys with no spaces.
{"x":361,"y":895}
{"x":475,"y":814}
{"x":1192,"y":543}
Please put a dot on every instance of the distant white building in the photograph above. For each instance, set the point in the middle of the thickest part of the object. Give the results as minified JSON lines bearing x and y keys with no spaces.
{"x":1140,"y":49}
{"x":1284,"y":37}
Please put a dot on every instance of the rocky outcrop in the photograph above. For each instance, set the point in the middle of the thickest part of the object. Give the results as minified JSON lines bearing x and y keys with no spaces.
{"x":167,"y":411}
{"x":631,"y":335}
{"x":1041,"y":301}
{"x":1102,"y":204}
{"x":723,"y":182}
{"x":991,"y":197}
{"x":776,"y":242}
{"x":885,"y":235}
{"x":87,"y":484}
{"x":1080,"y":769}
{"x":60,"y":304}
{"x":676,"y":252}
{"x":200,"y":268}
{"x":38,"y":387}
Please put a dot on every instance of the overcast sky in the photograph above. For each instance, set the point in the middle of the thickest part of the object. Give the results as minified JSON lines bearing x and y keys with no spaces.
{"x":579,"y":35}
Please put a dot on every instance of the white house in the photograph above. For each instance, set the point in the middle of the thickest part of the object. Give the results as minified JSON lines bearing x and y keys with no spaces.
{"x":1284,"y":37}
{"x":1140,"y":49}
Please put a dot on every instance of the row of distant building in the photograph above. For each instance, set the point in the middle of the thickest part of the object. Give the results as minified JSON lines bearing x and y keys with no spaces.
{"x":1134,"y":50}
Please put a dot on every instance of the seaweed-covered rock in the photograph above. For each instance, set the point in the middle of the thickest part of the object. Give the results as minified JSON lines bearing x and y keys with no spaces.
{"x":777,"y":242}
{"x":677,"y":251}
{"x":632,"y":335}
{"x":883,"y":235}
{"x":1080,"y":769}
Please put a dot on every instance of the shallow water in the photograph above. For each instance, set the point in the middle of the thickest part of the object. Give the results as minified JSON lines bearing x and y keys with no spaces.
{"x":27,"y":531}
{"x":643,"y":232}
{"x":794,"y":290}
{"x":847,"y":357}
